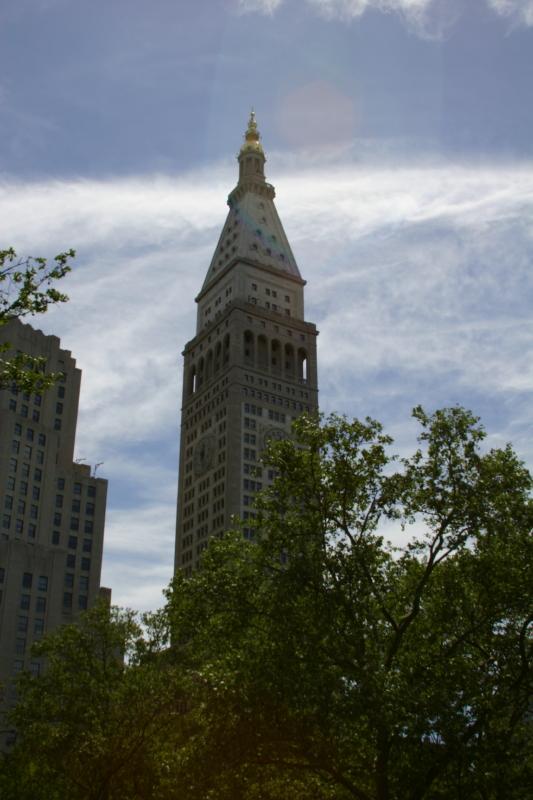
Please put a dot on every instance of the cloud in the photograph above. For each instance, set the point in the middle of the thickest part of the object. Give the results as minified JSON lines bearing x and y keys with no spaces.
{"x":519,"y":11}
{"x":261,"y":6}
{"x":419,"y":281}
{"x":429,"y":19}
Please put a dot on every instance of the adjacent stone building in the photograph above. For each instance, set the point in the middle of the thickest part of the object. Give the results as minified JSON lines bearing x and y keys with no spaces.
{"x":51,"y":512}
{"x":251,"y":367}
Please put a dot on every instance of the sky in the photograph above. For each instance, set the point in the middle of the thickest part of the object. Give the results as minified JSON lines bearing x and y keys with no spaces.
{"x":399,"y":137}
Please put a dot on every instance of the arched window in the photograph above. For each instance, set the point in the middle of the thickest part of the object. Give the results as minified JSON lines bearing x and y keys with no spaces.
{"x":201,"y":373}
{"x":302,"y":364}
{"x":248,"y":348}
{"x":289,"y":361}
{"x":275,"y":356}
{"x":262,"y":352}
{"x":218,"y":356}
{"x":209,"y":365}
{"x":225,"y":358}
{"x":191,"y":386}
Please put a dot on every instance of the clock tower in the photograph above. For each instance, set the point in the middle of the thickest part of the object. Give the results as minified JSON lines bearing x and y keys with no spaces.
{"x":250,"y":369}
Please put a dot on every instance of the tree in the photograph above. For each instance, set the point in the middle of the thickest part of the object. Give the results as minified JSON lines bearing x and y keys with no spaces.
{"x":325,"y":662}
{"x":97,"y":724}
{"x":26,"y":287}
{"x":319,"y":662}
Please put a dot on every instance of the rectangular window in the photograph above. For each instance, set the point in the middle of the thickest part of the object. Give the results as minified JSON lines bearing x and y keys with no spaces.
{"x":59,"y":408}
{"x":21,"y":507}
{"x":40,"y":605}
{"x":87,"y":545}
{"x":41,"y":439}
{"x":86,"y":564}
{"x":25,"y":470}
{"x":36,"y":493}
{"x":8,"y":501}
{"x":42,"y":583}
{"x":76,"y":505}
{"x":6,"y":521}
{"x":88,"y":526}
{"x":12,"y":405}
{"x":35,"y":668}
{"x":61,"y":484}
{"x":69,"y":580}
{"x":29,"y":435}
{"x":55,"y":537}
{"x":27,"y":451}
{"x":15,"y":446}
{"x":82,"y":602}
{"x":22,"y":624}
{"x":74,"y":524}
{"x":13,"y":464}
{"x":40,"y":456}
{"x":2,"y":574}
{"x":71,"y":561}
{"x":27,"y":580}
{"x":11,"y":483}
{"x":19,"y":525}
{"x":89,"y":509}
{"x":61,"y":391}
{"x":25,"y":601}
{"x":57,"y":424}
{"x":57,"y":519}
{"x":77,"y":488}
{"x":34,"y":511}
{"x":32,"y":529}
{"x":59,"y":501}
{"x":20,"y":646}
{"x":84,"y":583}
{"x":72,"y":542}
{"x":37,"y":400}
{"x":24,"y":411}
{"x":18,"y":429}
{"x":37,"y":474}
{"x":35,"y":415}
{"x":67,"y":600}
{"x":91,"y":491}
{"x":38,"y":628}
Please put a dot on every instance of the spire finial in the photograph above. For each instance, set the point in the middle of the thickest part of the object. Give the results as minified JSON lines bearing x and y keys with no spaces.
{"x":252,"y":137}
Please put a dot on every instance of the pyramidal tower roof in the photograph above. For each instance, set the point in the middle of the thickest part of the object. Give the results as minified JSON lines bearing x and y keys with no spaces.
{"x":253,"y":231}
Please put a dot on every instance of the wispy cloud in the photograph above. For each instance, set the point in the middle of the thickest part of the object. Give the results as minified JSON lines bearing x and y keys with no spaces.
{"x":261,"y":6}
{"x":429,"y":19}
{"x":419,"y":280}
{"x":519,"y":11}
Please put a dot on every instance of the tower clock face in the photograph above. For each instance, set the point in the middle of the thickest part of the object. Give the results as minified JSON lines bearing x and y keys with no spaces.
{"x":274,"y":435}
{"x":204,"y":454}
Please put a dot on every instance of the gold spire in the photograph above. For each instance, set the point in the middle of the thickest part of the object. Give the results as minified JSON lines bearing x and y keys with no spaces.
{"x":252,"y":137}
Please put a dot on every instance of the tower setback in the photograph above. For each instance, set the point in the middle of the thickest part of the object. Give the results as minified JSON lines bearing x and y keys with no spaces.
{"x":251,"y":367}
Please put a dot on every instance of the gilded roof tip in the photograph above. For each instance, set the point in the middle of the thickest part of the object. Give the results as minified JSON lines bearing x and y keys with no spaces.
{"x":252,"y":136}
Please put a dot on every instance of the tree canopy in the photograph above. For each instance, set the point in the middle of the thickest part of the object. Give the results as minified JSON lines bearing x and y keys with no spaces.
{"x":322,"y":660}
{"x":27,"y":287}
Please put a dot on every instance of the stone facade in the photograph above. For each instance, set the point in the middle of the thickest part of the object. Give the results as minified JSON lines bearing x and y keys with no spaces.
{"x":52,"y":511}
{"x":251,"y":367}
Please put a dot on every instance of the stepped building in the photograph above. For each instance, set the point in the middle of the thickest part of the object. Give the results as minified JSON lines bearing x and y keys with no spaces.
{"x":52,"y":513}
{"x":251,"y":367}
